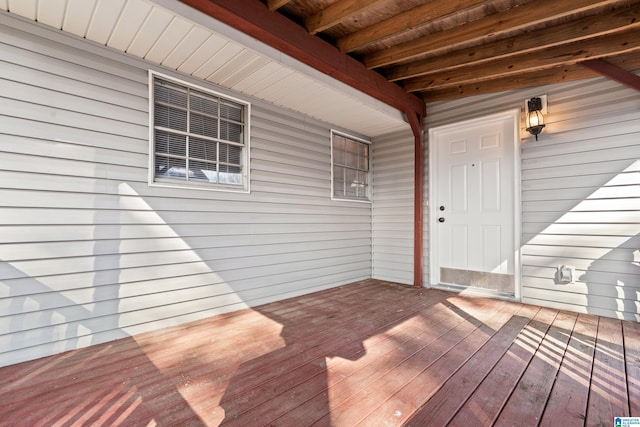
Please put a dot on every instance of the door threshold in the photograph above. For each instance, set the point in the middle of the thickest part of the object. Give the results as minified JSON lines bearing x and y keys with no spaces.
{"x":472,"y":291}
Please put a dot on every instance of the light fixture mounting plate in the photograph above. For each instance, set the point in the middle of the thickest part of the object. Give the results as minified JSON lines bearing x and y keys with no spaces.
{"x":543,"y":98}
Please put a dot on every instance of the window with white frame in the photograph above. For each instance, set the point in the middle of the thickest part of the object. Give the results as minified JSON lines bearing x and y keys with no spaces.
{"x":199,"y":137}
{"x":351,"y":174}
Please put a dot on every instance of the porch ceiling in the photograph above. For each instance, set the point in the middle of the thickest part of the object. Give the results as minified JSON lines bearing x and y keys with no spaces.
{"x":171,"y":34}
{"x":444,"y":49}
{"x":435,"y":49}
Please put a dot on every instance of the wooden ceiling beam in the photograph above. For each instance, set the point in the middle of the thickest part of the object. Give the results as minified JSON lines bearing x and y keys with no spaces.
{"x":538,"y":78}
{"x":618,"y":19}
{"x":338,"y":12}
{"x":276,"y":4}
{"x":513,"y":19}
{"x":526,"y":80}
{"x":253,"y":18}
{"x":402,"y":22}
{"x":613,"y":72}
{"x":599,"y":47}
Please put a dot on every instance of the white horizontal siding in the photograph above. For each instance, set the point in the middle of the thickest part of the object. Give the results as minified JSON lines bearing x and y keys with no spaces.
{"x":91,"y":253}
{"x":581,"y":202}
{"x":580,"y":194}
{"x":393,"y":207}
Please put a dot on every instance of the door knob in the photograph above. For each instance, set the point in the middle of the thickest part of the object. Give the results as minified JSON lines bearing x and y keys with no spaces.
{"x":440,"y":219}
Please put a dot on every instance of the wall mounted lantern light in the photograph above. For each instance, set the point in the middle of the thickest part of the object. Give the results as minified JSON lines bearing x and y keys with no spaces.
{"x":535,"y":119}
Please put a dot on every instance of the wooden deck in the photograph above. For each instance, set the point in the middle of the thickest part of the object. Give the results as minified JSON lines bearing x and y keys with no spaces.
{"x":370,"y":353}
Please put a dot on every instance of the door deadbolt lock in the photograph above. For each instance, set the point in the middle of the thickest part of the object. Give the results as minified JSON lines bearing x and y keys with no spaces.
{"x":441,"y":208}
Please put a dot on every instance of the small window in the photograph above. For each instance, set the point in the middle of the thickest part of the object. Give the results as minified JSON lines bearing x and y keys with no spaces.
{"x":199,"y":138}
{"x":351,"y":174}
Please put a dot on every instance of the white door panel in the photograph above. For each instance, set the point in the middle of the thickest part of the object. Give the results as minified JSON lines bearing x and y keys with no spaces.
{"x":473,"y":199}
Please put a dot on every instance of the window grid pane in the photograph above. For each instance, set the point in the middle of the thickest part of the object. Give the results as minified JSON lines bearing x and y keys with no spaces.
{"x":198,"y":136}
{"x":350,"y":168}
{"x":170,"y":167}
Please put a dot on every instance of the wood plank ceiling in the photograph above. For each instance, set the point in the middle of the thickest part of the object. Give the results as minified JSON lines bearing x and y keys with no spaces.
{"x":445,"y":49}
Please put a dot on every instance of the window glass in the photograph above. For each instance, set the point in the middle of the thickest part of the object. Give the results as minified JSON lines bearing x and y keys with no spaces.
{"x":197,"y":136}
{"x":350,"y":168}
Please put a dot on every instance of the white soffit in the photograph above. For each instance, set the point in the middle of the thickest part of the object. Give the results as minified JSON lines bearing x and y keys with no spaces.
{"x":172,"y":34}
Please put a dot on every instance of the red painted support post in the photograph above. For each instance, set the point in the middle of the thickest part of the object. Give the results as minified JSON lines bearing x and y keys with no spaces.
{"x":416,"y":122}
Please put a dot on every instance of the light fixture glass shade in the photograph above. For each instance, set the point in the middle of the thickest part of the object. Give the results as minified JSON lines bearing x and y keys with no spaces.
{"x":535,"y":119}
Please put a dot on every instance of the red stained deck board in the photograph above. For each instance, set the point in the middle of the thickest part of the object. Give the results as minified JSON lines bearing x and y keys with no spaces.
{"x":103,"y":377}
{"x":535,"y":385}
{"x":323,"y":344}
{"x":440,"y":408}
{"x":361,"y":353}
{"x":288,"y":394}
{"x":159,"y":346}
{"x":133,"y":363}
{"x":401,"y":405}
{"x":267,"y":389}
{"x":483,"y":407}
{"x":570,"y":393}
{"x":350,"y":413}
{"x":631,"y":333}
{"x":346,"y":379}
{"x":608,"y":397}
{"x":293,"y":378}
{"x":299,"y":354}
{"x":310,"y":398}
{"x":138,"y":368}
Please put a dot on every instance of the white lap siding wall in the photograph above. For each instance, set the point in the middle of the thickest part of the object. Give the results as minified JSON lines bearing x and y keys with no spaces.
{"x":90,"y":253}
{"x":393,"y":186}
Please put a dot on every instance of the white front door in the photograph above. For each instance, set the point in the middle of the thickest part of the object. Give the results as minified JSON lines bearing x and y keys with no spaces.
{"x":473,"y":203}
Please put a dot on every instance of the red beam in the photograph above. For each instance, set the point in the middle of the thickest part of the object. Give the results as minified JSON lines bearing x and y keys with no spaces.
{"x":253,"y":18}
{"x":613,"y":72}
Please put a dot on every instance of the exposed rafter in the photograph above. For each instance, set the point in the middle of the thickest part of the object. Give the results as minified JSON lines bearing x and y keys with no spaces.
{"x":276,"y":4}
{"x":410,"y":19}
{"x":618,"y":20}
{"x":338,"y":12}
{"x":532,"y":79}
{"x":493,"y":25}
{"x":614,"y":44}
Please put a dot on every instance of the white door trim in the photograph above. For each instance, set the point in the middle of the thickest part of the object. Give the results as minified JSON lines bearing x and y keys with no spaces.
{"x":514,"y":115}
